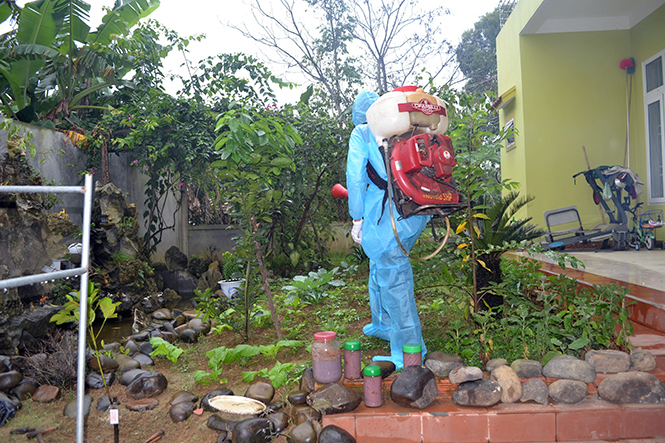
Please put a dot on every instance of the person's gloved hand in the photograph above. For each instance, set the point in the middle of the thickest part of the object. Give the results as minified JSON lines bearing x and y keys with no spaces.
{"x":357,"y":230}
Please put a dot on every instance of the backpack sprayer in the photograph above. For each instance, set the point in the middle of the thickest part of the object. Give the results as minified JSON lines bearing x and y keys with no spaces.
{"x":408,"y":125}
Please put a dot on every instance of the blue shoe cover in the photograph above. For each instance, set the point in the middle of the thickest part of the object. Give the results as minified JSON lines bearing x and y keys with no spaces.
{"x":398,"y":362}
{"x":372,"y":331}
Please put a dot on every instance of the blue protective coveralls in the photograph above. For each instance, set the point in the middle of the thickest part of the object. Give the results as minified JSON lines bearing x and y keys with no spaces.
{"x":394,"y":313}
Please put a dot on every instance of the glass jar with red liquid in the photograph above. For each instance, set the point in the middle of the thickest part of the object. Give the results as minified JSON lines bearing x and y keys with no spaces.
{"x":326,"y":357}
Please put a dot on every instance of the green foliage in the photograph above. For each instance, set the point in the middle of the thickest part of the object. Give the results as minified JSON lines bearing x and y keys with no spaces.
{"x":232,"y":266}
{"x":278,"y":374}
{"x":162,"y":347}
{"x":311,"y":289}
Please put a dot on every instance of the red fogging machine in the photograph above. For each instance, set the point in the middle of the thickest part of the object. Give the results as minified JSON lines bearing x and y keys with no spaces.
{"x":408,"y":125}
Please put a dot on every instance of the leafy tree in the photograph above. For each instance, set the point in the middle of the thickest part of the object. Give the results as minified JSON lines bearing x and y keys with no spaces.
{"x":476,"y":53}
{"x":53,"y":64}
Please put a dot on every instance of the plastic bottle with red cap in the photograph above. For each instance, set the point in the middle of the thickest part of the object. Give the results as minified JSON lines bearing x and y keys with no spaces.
{"x":326,"y":357}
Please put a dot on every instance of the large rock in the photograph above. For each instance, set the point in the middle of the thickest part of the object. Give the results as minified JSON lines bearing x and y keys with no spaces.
{"x":642,"y":360}
{"x":463,"y":374}
{"x":335,"y":434}
{"x":608,"y":361}
{"x":107,"y":363}
{"x":129,"y":376}
{"x":511,"y":387}
{"x":334,"y":399}
{"x":261,"y":391}
{"x":568,"y":391}
{"x":253,"y":430}
{"x":441,"y":363}
{"x":181,"y":411}
{"x":415,"y":387}
{"x":495,"y":363}
{"x":536,"y":390}
{"x":303,"y":433}
{"x":527,"y":368}
{"x":95,"y":381}
{"x":482,"y":393}
{"x":280,"y":420}
{"x":632,"y":387}
{"x":147,"y":386}
{"x":10,"y":379}
{"x":175,"y":259}
{"x":46,"y":394}
{"x":569,"y":367}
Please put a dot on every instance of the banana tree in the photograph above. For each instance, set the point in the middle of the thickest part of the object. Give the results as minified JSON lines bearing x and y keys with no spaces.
{"x":54,"y":62}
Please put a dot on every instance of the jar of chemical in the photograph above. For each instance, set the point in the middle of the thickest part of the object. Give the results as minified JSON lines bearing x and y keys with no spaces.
{"x":372,"y":386}
{"x":326,"y":357}
{"x":413,"y":354}
{"x":352,"y":359}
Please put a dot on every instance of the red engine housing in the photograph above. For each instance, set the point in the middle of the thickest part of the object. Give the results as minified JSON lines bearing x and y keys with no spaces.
{"x":422,"y":167}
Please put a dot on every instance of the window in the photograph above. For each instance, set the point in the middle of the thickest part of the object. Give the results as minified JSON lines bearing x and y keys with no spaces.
{"x":510,"y":128}
{"x":654,"y":111}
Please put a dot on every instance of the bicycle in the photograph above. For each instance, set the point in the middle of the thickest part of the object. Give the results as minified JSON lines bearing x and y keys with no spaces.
{"x":643,"y":226}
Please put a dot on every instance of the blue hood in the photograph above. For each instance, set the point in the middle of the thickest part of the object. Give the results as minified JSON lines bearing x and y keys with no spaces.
{"x":360,"y":106}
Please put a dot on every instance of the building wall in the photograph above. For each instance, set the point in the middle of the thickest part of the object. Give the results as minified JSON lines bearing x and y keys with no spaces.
{"x":571,"y":93}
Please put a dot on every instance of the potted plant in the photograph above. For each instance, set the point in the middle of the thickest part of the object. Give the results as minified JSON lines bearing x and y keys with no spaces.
{"x":232,"y":270}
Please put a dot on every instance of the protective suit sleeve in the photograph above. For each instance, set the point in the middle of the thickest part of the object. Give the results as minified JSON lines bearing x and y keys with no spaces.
{"x":356,"y":172}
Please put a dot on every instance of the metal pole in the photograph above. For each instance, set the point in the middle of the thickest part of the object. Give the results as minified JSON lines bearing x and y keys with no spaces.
{"x":83,"y":316}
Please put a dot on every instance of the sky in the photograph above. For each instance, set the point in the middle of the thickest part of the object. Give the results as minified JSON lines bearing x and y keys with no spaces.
{"x":210,"y":16}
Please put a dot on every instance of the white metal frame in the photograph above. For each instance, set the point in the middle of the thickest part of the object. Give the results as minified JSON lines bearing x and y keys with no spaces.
{"x":651,"y":97}
{"x":87,"y":190}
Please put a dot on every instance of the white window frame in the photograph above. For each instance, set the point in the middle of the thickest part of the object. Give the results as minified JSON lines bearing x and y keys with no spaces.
{"x":657,"y":95}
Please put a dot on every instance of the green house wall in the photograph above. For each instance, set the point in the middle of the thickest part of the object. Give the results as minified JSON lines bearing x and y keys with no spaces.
{"x":570,"y":93}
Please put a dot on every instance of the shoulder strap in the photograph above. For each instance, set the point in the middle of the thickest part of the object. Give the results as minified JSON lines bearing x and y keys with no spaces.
{"x":381,"y":184}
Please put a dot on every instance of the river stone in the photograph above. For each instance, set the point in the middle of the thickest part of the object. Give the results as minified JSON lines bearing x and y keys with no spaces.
{"x":608,"y":361}
{"x":441,"y":363}
{"x":642,"y":360}
{"x":143,"y":360}
{"x":632,"y":387}
{"x":4,"y":364}
{"x":46,"y":394}
{"x":147,"y":386}
{"x":182,"y":396}
{"x":72,"y":406}
{"x":527,"y":368}
{"x":303,"y":413}
{"x":25,"y":389}
{"x":511,"y":387}
{"x":307,"y":383}
{"x":303,"y":433}
{"x":128,"y":377}
{"x":168,"y":327}
{"x":127,"y":363}
{"x":205,"y":401}
{"x":216,"y":423}
{"x":95,"y":380}
{"x":181,"y":411}
{"x":132,"y":347}
{"x":162,"y":314}
{"x":253,"y":430}
{"x":140,"y":337}
{"x":462,"y":374}
{"x":108,"y":364}
{"x":495,"y":363}
{"x":145,"y":348}
{"x":478,"y":393}
{"x":280,"y":421}
{"x":568,"y":391}
{"x":199,"y":326}
{"x":170,"y":337}
{"x":298,"y":398}
{"x":536,"y":390}
{"x":335,"y":434}
{"x":103,"y":403}
{"x":261,"y":391}
{"x":145,"y":404}
{"x":414,"y":387}
{"x":334,"y":399}
{"x":189,"y":335}
{"x":10,"y":379}
{"x":569,"y":367}
{"x":387,"y":367}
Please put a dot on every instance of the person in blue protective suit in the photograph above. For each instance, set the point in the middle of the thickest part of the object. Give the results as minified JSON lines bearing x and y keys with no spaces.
{"x":392,"y":303}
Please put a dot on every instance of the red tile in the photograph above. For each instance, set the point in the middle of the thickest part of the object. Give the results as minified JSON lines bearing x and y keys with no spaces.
{"x":439,"y":428}
{"x":346,"y":422}
{"x":643,"y":421}
{"x":591,"y":424}
{"x":522,"y":427}
{"x":395,"y":428}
